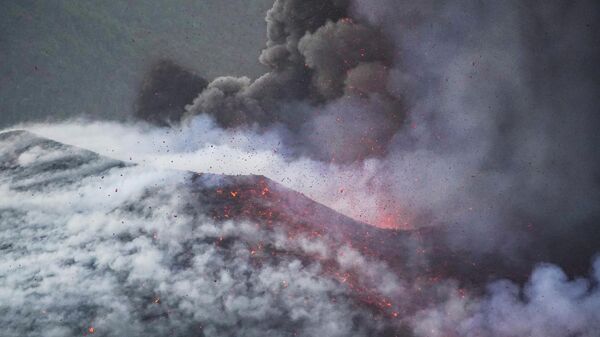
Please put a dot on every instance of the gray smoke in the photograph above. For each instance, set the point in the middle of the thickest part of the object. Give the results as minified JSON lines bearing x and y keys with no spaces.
{"x":165,"y":92}
{"x":478,"y":115}
{"x":549,"y":305}
{"x":503,"y":120}
{"x":320,"y":61}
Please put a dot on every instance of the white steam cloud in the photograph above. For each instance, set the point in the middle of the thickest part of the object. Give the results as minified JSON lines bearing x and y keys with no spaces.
{"x":550,"y":305}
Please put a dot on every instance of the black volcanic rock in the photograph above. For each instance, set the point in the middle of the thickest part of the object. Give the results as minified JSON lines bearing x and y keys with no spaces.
{"x":166,"y":90}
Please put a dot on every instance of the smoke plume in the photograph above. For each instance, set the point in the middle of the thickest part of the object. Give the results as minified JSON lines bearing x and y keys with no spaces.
{"x":320,"y":62}
{"x":479,"y":116}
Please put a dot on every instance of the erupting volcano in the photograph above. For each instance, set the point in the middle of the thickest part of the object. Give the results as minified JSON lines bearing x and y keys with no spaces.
{"x":370,"y":168}
{"x":168,"y":223}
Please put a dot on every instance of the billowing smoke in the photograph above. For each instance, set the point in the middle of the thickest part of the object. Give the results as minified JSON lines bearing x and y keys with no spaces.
{"x":476,"y":116}
{"x":549,"y":305}
{"x":502,"y":116}
{"x":471,"y":113}
{"x":327,"y":72}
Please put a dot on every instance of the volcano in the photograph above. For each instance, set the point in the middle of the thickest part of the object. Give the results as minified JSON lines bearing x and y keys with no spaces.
{"x":93,"y":245}
{"x":99,"y":218}
{"x":179,"y":253}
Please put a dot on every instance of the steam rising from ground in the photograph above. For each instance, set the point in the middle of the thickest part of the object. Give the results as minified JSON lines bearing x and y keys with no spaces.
{"x":549,"y":305}
{"x":117,"y":249}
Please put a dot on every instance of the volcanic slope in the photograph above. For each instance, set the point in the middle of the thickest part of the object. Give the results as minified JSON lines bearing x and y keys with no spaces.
{"x":92,"y":245}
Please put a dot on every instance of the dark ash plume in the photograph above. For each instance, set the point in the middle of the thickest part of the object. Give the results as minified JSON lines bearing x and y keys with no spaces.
{"x":166,"y":90}
{"x":320,"y":61}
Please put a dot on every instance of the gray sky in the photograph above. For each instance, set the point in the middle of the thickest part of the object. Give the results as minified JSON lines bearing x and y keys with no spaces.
{"x":69,"y":57}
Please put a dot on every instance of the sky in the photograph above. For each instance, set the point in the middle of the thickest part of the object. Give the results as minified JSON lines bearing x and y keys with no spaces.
{"x":67,"y":58}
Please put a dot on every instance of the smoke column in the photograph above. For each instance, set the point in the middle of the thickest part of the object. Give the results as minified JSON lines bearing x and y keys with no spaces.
{"x":480,"y":117}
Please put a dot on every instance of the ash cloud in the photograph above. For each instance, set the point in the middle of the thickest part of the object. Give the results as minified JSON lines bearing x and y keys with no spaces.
{"x":481,"y":116}
{"x":320,"y":61}
{"x":165,"y":92}
{"x":502,"y":122}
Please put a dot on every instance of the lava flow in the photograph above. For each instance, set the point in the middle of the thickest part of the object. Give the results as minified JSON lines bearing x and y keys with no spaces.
{"x":274,"y":207}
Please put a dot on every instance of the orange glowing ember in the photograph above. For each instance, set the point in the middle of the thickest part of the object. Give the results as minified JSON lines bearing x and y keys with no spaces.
{"x":386,"y":221}
{"x":265,"y":191}
{"x":392,"y":220}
